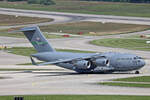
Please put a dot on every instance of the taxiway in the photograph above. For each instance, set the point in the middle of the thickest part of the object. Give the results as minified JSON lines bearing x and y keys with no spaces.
{"x":57,"y":80}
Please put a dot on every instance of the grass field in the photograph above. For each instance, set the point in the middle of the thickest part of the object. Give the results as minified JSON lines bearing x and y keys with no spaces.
{"x":96,"y":27}
{"x":135,"y":79}
{"x":79,"y":97}
{"x":126,"y":84}
{"x":135,"y":44}
{"x":27,"y":51}
{"x":8,"y":20}
{"x":24,"y":51}
{"x":87,"y":28}
{"x":92,"y":7}
{"x":20,"y":35}
{"x":9,"y":33}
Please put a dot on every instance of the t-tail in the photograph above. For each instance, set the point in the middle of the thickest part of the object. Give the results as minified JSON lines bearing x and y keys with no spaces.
{"x":37,"y":39}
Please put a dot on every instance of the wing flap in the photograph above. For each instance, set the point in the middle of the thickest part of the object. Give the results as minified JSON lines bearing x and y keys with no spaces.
{"x":54,"y":62}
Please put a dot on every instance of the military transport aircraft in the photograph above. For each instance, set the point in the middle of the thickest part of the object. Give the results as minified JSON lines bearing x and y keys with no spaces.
{"x":80,"y":62}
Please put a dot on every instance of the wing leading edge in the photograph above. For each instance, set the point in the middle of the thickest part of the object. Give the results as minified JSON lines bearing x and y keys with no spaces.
{"x":67,"y":60}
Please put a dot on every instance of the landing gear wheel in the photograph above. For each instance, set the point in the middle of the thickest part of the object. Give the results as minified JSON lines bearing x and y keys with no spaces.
{"x":137,"y":72}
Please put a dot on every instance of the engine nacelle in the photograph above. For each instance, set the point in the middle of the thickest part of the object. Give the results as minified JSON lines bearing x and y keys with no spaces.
{"x":83,"y":64}
{"x":102,"y":62}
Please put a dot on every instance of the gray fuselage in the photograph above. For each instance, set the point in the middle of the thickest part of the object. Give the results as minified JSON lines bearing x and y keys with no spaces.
{"x":117,"y":61}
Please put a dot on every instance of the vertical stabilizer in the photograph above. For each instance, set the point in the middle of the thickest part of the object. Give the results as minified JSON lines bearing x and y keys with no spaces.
{"x":37,"y":39}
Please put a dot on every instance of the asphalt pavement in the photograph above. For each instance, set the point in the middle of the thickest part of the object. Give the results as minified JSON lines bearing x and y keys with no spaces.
{"x":57,"y":80}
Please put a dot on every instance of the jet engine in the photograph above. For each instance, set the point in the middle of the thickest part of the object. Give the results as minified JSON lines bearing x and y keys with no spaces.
{"x":102,"y":62}
{"x":83,"y":64}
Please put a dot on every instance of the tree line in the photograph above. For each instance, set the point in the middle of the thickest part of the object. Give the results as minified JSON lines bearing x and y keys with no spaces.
{"x":130,"y":1}
{"x":43,"y":2}
{"x":51,"y":2}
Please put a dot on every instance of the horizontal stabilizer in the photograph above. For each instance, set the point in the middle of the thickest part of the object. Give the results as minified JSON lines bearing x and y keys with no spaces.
{"x":26,"y":29}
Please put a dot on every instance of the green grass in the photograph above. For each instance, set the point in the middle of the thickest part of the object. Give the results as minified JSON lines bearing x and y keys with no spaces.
{"x":85,"y":27}
{"x":95,"y":28}
{"x":130,"y":79}
{"x":135,"y":79}
{"x":27,"y":51}
{"x":75,"y":51}
{"x":135,"y":44}
{"x":20,"y":35}
{"x":76,"y":6}
{"x":79,"y":97}
{"x":24,"y":51}
{"x":8,"y":20}
{"x":126,"y":84}
{"x":10,"y":33}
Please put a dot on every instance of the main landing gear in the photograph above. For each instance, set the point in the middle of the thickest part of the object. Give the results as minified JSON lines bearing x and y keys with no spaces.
{"x":137,"y":72}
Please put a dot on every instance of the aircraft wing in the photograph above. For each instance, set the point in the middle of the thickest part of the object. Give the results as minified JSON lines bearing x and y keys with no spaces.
{"x":68,"y":60}
{"x":55,"y":62}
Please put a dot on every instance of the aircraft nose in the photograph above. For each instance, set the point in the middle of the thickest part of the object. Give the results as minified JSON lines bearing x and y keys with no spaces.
{"x":142,"y":62}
